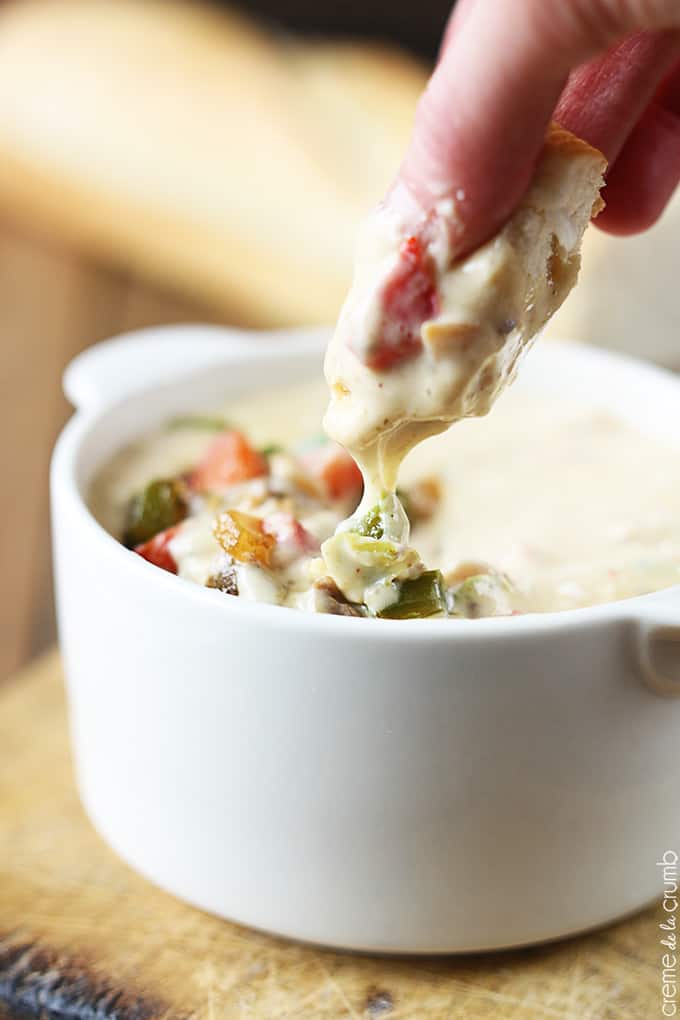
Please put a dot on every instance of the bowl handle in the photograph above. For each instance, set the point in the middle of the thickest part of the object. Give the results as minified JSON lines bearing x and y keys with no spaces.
{"x":139,"y":360}
{"x":657,"y":636}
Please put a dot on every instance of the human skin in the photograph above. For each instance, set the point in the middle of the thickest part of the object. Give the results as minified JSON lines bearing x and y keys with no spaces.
{"x":609,"y":70}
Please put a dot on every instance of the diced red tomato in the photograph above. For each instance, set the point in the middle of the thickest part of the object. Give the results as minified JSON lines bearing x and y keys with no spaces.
{"x":292,"y":538}
{"x":409,"y":299}
{"x":342,"y":475}
{"x":336,"y":469}
{"x":229,"y":459}
{"x":156,"y":550}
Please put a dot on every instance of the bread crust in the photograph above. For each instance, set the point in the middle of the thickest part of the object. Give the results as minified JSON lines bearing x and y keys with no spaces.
{"x":559,"y":139}
{"x":562,"y":143}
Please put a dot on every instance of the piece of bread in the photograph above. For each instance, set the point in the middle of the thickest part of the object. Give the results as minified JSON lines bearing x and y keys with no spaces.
{"x":492,"y":305}
{"x":187,"y":145}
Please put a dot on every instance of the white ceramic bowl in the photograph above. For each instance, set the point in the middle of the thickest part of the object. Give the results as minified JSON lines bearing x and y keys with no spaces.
{"x":385,"y":785}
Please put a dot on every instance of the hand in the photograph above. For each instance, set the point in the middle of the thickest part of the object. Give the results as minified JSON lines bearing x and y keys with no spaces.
{"x":508,"y":66}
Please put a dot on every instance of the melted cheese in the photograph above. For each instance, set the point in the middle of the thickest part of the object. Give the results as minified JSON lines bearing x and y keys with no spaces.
{"x":574,"y":505}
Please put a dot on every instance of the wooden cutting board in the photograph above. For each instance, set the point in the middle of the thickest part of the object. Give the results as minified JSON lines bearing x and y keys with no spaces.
{"x":82,"y":937}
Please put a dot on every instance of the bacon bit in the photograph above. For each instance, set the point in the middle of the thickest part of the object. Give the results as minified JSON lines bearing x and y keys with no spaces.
{"x":243,"y":537}
{"x":156,"y":550}
{"x":336,"y":469}
{"x":409,"y":299}
{"x":225,"y":580}
{"x":229,"y":459}
{"x":292,"y":539}
{"x":332,"y":600}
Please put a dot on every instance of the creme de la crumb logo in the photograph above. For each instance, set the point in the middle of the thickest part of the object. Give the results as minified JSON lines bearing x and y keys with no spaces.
{"x":669,"y":933}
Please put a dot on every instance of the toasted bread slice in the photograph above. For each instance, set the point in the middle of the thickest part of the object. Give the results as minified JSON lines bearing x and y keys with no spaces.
{"x":492,"y":304}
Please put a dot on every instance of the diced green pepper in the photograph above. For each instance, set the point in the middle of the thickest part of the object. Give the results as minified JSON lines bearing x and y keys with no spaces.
{"x":466,"y":598}
{"x":269,"y":451}
{"x":483,"y":595}
{"x":202,"y":422}
{"x":387,"y":519}
{"x":418,"y":597}
{"x":159,"y":506}
{"x":371,"y":525}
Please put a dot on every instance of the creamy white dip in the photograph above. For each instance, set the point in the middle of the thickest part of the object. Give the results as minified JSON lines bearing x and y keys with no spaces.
{"x":572,"y":505}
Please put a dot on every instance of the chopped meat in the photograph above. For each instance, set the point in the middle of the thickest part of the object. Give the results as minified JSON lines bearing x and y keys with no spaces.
{"x":243,"y":537}
{"x":224,"y":580}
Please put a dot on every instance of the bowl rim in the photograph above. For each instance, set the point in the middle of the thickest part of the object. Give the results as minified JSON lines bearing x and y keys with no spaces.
{"x":64,"y":483}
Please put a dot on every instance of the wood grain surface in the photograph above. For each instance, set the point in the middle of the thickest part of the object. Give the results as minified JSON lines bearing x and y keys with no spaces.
{"x":82,"y":937}
{"x":54,"y":303}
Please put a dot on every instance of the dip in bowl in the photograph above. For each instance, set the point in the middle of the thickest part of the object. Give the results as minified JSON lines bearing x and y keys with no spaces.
{"x":428,"y":785}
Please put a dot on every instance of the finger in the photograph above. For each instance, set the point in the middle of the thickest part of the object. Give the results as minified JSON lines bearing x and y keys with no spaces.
{"x":647,"y":171}
{"x":481,"y":121}
{"x":604,"y":98}
{"x":455,"y":20}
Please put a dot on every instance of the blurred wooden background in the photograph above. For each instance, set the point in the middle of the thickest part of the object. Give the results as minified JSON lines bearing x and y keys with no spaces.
{"x":53,"y":303}
{"x":164,"y":161}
